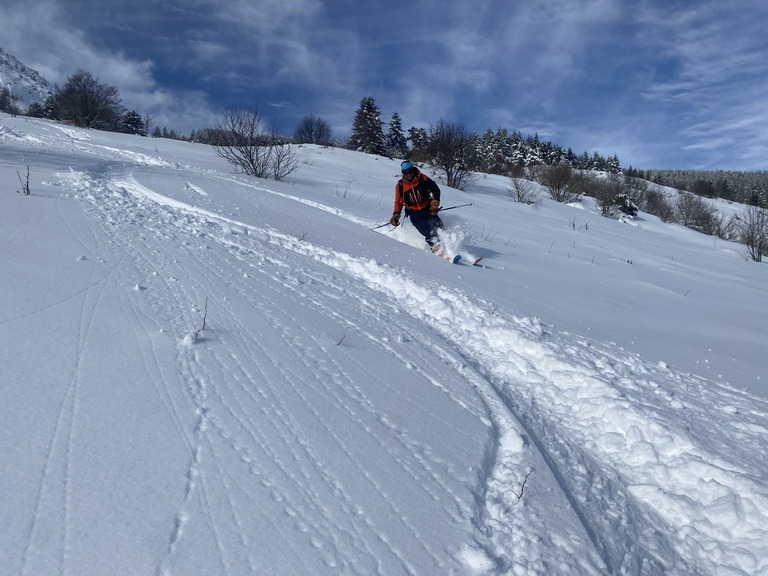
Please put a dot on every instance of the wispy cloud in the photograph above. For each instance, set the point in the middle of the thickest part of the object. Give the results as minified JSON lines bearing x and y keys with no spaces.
{"x":714,"y":77}
{"x":684,"y":83}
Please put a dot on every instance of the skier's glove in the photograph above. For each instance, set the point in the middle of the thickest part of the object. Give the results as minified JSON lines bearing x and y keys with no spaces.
{"x":395,"y":220}
{"x":434,"y":207}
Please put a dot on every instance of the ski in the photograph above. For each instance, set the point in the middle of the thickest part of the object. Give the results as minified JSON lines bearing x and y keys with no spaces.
{"x":456,"y":259}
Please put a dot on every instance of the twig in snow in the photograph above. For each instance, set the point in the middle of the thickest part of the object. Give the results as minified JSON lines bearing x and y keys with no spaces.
{"x":205,"y":315}
{"x":522,"y":488}
{"x":24,"y":185}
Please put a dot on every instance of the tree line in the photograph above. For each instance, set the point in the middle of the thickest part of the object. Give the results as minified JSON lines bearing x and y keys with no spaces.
{"x":742,"y":187}
{"x":456,"y":153}
{"x":87,"y":103}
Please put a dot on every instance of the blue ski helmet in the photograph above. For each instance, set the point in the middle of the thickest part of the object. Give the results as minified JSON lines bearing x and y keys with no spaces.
{"x":406,"y":166}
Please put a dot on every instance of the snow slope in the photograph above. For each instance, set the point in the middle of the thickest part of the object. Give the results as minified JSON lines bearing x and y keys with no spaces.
{"x":205,"y":373}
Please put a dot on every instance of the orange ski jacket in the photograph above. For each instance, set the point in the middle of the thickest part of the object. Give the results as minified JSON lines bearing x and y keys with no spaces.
{"x":416,"y":194}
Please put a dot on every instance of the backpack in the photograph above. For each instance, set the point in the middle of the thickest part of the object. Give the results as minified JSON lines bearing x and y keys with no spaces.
{"x":416,"y":195}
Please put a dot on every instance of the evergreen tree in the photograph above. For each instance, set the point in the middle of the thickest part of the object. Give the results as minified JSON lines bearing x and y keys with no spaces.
{"x":417,"y":136}
{"x":50,"y":109}
{"x":515,"y":149}
{"x":5,"y":99}
{"x":397,"y":145}
{"x":133,"y":123}
{"x":486,"y":151}
{"x":35,"y":110}
{"x":8,"y":102}
{"x":367,"y":135}
{"x":598,"y":163}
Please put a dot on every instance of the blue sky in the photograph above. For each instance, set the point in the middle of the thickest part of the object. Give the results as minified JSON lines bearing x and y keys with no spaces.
{"x":661,"y":83}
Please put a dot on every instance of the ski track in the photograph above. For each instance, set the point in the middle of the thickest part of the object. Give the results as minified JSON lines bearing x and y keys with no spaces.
{"x":318,"y":369}
{"x":539,"y":390}
{"x":206,"y":399}
{"x":494,"y":520}
{"x":54,"y":491}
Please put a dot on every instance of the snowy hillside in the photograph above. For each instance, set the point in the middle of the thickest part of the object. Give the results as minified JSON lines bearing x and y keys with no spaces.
{"x":24,"y":83}
{"x":206,"y":373}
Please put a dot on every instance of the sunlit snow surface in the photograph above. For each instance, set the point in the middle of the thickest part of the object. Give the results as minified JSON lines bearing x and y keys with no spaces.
{"x":206,"y":373}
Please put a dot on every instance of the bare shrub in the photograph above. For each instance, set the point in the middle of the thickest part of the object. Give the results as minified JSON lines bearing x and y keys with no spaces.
{"x":611,"y":193}
{"x":284,"y":155}
{"x":654,"y":201}
{"x":522,"y":189}
{"x":753,"y":232}
{"x":695,"y":213}
{"x":240,"y":140}
{"x":557,"y":179}
{"x":87,"y":103}
{"x":313,"y":130}
{"x":451,"y":150}
{"x":724,"y":227}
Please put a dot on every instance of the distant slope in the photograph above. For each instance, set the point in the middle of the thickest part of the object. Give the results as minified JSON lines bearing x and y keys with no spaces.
{"x":25,"y":83}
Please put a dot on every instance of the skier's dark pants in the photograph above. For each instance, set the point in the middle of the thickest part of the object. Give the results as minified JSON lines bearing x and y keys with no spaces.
{"x":427,"y":225}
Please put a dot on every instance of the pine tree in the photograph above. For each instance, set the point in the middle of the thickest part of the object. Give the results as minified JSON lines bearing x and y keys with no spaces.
{"x":397,"y":145}
{"x":132,"y":123}
{"x":417,"y":136}
{"x":486,"y":151}
{"x":614,"y":166}
{"x":5,"y":99}
{"x":367,"y":134}
{"x":35,"y":110}
{"x":50,"y":109}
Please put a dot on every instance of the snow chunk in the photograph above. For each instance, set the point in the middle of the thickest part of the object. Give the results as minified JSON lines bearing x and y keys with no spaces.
{"x":188,"y":340}
{"x":477,"y":560}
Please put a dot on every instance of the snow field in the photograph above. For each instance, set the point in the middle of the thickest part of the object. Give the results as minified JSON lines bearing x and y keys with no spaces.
{"x":354,"y":405}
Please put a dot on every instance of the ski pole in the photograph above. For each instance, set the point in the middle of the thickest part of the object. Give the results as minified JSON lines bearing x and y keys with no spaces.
{"x":441,"y":210}
{"x":459,"y":206}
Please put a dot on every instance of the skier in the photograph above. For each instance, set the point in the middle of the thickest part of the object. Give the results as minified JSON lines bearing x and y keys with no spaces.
{"x":420,"y":196}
